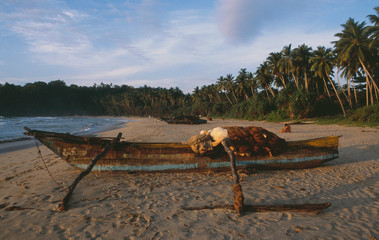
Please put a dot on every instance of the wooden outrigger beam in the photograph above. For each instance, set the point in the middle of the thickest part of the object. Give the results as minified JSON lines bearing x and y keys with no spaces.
{"x":239,"y":206}
{"x":306,"y":208}
{"x":237,"y":189}
{"x":63,"y":206}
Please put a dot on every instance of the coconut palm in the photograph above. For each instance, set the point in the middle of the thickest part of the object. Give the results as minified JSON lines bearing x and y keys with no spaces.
{"x":374,"y":40}
{"x":349,"y":72}
{"x":374,"y":30}
{"x":322,"y":65}
{"x":212,"y":91}
{"x":353,"y":48}
{"x":230,"y":85}
{"x":274,"y":66}
{"x":301,"y":55}
{"x":287,"y":64}
{"x":196,"y":95}
{"x":252,"y":83}
{"x":264,"y":78}
{"x":222,"y":85}
{"x":242,"y":83}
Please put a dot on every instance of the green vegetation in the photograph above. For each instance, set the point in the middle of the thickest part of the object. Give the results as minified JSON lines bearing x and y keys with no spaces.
{"x":294,"y":83}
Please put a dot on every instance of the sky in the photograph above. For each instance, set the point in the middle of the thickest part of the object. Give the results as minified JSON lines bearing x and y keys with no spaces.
{"x":159,"y":43}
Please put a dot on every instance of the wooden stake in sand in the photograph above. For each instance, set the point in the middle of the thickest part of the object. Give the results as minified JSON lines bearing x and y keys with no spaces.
{"x":240,"y":207}
{"x":237,"y":189}
{"x":63,"y":206}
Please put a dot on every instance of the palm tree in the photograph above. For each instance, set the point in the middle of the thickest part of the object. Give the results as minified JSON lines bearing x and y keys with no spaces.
{"x":216,"y":92}
{"x":230,"y":85}
{"x":264,"y":78}
{"x":374,"y":41}
{"x":287,"y":64}
{"x":242,"y":83}
{"x":252,"y":83}
{"x":196,"y":95}
{"x":222,"y":85}
{"x":322,"y":65}
{"x":353,"y":49}
{"x":374,"y":30}
{"x":348,"y":98}
{"x":212,"y":92}
{"x":302,"y":54}
{"x":274,"y":66}
{"x":349,"y":72}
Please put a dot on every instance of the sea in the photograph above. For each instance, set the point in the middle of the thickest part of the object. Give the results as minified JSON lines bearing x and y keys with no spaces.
{"x":12,"y":128}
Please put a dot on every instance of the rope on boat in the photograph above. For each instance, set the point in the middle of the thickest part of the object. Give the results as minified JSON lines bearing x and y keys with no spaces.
{"x":44,"y":163}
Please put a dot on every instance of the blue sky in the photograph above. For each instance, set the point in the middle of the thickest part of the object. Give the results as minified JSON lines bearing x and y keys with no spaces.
{"x":159,"y":43}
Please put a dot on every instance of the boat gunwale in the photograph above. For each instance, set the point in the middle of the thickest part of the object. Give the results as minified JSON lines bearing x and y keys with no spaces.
{"x":92,"y":139}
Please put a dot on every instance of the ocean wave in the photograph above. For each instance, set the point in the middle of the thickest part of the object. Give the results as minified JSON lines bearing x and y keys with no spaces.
{"x":45,"y":117}
{"x":12,"y":128}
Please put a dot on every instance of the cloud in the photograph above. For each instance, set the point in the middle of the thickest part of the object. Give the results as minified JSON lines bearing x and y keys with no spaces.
{"x":109,"y":74}
{"x":49,"y":31}
{"x":241,"y":21}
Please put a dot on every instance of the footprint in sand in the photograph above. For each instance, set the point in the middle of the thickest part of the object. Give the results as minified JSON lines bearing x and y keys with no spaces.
{"x":46,"y":198}
{"x":157,"y":235}
{"x":286,"y":216}
{"x":298,"y":229}
{"x":9,"y":178}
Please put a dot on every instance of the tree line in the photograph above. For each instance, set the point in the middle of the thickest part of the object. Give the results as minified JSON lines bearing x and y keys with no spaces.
{"x":291,"y":83}
{"x":56,"y":98}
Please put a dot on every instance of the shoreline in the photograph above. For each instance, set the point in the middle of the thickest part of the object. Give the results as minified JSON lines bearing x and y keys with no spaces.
{"x":28,"y":141}
{"x":82,"y":125}
{"x":149,"y":206}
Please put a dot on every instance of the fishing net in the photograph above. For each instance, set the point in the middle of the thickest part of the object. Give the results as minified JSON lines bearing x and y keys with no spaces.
{"x":246,"y":141}
{"x":255,"y":140}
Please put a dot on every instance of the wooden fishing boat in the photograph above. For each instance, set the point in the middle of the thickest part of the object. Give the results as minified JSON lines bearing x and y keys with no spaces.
{"x":78,"y":151}
{"x":184,"y":120}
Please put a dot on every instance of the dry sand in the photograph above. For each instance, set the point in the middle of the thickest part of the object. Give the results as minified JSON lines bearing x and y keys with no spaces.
{"x":148,"y":206}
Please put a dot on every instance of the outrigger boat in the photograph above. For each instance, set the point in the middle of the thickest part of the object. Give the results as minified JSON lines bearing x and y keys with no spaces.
{"x":184,"y":120}
{"x":109,"y":154}
{"x":78,"y":151}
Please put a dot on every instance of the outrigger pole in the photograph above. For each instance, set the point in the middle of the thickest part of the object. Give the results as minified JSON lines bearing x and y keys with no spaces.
{"x":63,"y":206}
{"x":237,"y":189}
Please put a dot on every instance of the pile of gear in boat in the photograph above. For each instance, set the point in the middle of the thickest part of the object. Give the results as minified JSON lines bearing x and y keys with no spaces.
{"x":246,"y":141}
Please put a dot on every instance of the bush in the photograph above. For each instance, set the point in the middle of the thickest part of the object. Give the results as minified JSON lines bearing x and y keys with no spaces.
{"x":240,"y":111}
{"x":369,"y":114}
{"x":277,"y":116}
{"x":259,"y":106}
{"x":220,"y":108}
{"x":302,"y":103}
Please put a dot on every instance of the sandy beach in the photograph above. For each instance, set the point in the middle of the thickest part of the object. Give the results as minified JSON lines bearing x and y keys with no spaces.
{"x":149,"y":206}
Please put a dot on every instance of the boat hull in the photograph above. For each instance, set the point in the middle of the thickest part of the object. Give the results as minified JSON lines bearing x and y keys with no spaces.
{"x":177,"y":157}
{"x":184,"y":120}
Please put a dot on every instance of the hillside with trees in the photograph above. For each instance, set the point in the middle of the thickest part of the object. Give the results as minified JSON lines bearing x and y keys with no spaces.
{"x":294,"y":82}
